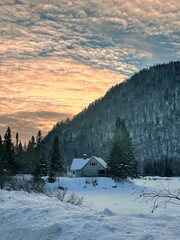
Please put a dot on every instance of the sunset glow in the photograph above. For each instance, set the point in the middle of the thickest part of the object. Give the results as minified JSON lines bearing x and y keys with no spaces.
{"x":58,"y":56}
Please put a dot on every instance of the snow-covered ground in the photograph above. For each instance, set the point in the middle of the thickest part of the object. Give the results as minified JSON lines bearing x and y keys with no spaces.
{"x":111,"y":213}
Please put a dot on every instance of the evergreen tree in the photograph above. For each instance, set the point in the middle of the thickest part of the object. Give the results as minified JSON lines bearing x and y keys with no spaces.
{"x":43,"y":166}
{"x":121,"y":161}
{"x":8,"y":158}
{"x":39,"y":137}
{"x":38,"y":148}
{"x":21,"y":157}
{"x":17,"y":140}
{"x":148,"y":169}
{"x":20,"y":146}
{"x":168,"y":172}
{"x":1,"y":147}
{"x":56,"y":163}
{"x":2,"y":167}
{"x":37,"y":173}
{"x":31,"y":144}
{"x":155,"y":169}
{"x":31,"y":155}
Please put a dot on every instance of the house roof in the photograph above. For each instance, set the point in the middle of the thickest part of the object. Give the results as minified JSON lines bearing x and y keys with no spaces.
{"x":79,"y":163}
{"x":101,"y":161}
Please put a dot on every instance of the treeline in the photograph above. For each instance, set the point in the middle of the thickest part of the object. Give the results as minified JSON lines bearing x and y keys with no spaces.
{"x":16,"y":158}
{"x":163,"y":168}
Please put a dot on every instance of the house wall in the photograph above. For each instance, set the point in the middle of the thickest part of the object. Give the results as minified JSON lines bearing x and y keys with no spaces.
{"x":76,"y":173}
{"x":91,"y":170}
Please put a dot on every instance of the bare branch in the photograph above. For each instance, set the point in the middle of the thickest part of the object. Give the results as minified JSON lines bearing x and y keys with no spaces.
{"x":162,"y":197}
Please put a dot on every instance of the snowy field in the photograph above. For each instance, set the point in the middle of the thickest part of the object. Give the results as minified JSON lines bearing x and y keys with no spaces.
{"x":111,"y":212}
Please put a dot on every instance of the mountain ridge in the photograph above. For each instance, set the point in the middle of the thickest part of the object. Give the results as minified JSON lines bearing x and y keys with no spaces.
{"x":148,"y":102}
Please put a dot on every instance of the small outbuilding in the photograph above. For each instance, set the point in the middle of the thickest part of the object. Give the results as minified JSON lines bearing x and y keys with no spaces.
{"x":88,"y":167}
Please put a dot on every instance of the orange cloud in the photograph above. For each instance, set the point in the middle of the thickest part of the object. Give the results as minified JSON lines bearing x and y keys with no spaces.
{"x":53,"y":85}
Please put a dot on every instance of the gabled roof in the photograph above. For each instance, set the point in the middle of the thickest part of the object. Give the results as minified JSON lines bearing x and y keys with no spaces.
{"x":79,"y":163}
{"x":101,"y":161}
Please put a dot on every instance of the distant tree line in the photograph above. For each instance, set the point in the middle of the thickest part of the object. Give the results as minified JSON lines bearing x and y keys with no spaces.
{"x":16,"y":158}
{"x":160,"y":168}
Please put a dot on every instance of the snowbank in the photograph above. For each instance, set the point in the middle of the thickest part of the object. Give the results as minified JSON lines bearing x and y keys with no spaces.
{"x":26,"y":216}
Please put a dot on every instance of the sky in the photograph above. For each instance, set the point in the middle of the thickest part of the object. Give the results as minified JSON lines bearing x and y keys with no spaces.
{"x":58,"y":56}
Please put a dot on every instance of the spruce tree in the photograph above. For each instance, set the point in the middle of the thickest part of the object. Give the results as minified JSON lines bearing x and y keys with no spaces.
{"x":121,"y":163}
{"x":56,"y":168}
{"x":155,"y":169}
{"x":39,"y":137}
{"x":148,"y":169}
{"x":2,"y":172}
{"x":39,"y":147}
{"x":31,"y":156}
{"x":17,"y":140}
{"x":1,"y":147}
{"x":8,"y":158}
{"x":21,"y":157}
{"x":43,"y":166}
{"x":168,"y":172}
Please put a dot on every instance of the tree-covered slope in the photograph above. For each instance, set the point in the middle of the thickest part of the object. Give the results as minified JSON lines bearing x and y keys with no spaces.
{"x":149,"y":103}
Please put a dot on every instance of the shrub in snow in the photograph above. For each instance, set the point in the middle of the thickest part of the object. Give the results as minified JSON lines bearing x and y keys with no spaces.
{"x":64,"y":196}
{"x":94,"y":182}
{"x":61,"y":188}
{"x":72,"y":198}
{"x":25,"y":183}
{"x":87,"y":181}
{"x":75,"y":200}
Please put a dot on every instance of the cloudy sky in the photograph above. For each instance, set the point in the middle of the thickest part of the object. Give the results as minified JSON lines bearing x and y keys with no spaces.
{"x":57,"y":56}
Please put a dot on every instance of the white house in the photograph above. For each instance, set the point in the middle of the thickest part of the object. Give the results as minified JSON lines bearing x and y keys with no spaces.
{"x":88,"y":167}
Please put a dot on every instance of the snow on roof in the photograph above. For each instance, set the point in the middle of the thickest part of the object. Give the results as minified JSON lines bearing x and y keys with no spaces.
{"x":101,"y":161}
{"x":79,"y":163}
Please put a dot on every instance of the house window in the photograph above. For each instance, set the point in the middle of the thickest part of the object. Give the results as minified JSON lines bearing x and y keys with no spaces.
{"x":93,"y":164}
{"x":74,"y":172}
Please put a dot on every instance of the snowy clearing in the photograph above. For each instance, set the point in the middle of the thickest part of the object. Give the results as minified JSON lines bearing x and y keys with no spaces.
{"x":112,"y":213}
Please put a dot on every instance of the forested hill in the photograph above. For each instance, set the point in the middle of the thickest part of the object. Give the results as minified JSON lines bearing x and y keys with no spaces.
{"x":149,"y":102}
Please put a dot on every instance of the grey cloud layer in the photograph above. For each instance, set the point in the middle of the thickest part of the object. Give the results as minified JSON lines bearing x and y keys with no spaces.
{"x":117,"y":35}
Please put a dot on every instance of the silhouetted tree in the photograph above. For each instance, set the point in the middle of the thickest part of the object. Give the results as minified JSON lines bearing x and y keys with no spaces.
{"x":39,"y":137}
{"x":2,"y":167}
{"x":1,"y":146}
{"x":9,"y":159}
{"x":17,"y":140}
{"x":21,"y":158}
{"x":31,"y":155}
{"x":43,"y":166}
{"x":56,"y":167}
